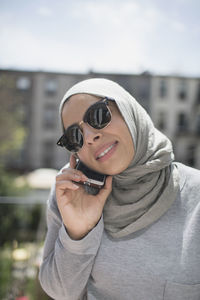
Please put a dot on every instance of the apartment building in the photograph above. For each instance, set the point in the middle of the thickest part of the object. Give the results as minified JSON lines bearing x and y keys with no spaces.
{"x":16,"y":96}
{"x":40,"y":94}
{"x":173,"y":103}
{"x":175,"y":110}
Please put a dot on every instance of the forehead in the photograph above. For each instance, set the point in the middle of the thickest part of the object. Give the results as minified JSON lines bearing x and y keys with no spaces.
{"x":75,"y":107}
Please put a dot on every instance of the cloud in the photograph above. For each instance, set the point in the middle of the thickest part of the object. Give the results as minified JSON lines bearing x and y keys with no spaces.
{"x":178,"y":26}
{"x":111,"y":36}
{"x":21,"y":47}
{"x":45,"y":11}
{"x":115,"y":13}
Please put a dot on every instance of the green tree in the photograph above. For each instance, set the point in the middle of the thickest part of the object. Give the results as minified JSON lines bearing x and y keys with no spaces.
{"x":12,"y":131}
{"x":12,"y":135}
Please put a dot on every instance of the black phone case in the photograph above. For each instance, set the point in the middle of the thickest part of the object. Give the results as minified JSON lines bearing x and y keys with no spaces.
{"x":90,"y":173}
{"x":95,"y":179}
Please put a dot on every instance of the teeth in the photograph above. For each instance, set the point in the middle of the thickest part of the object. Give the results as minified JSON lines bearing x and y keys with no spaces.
{"x":106,"y":151}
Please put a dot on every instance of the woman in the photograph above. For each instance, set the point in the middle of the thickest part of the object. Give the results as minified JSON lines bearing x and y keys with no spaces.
{"x":138,"y":238}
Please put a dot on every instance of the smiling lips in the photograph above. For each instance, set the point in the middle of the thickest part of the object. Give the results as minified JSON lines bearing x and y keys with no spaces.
{"x":103,"y":155}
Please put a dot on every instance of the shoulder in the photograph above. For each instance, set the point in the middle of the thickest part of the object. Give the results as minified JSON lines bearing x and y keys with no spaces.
{"x":189,"y":176}
{"x":189,"y":186}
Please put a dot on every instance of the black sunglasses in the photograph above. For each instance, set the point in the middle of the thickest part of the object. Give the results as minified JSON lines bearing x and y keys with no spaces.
{"x":98,"y":116}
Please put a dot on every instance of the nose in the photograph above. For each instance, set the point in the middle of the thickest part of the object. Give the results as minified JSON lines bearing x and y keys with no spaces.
{"x":90,"y":135}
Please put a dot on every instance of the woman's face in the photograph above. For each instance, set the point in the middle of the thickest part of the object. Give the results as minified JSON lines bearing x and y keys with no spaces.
{"x":115,"y":138}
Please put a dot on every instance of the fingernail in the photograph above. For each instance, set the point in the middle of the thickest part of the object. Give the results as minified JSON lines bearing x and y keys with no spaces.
{"x":77,"y":176}
{"x":75,"y":186}
{"x":84,"y":177}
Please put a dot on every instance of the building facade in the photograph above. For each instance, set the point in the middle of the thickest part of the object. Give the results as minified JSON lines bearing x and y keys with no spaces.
{"x":172,"y":102}
{"x":175,"y":110}
{"x":42,"y":93}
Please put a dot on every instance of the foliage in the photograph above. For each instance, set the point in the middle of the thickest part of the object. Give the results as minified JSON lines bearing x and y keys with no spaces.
{"x":13,"y":131}
{"x":7,"y":184}
{"x":13,"y":217}
{"x":12,"y":286}
{"x":6,"y":268}
{"x":19,"y":222}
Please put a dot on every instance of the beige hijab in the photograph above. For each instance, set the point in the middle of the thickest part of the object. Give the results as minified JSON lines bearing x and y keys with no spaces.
{"x":147,"y":188}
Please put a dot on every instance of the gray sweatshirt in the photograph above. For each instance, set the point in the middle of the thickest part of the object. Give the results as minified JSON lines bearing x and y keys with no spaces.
{"x":160,"y":262}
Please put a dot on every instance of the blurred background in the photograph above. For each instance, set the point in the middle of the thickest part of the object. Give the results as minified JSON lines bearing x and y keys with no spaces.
{"x":150,"y":47}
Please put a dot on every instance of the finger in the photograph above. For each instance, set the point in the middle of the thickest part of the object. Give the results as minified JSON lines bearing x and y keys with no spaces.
{"x":72,"y":161}
{"x":71,"y":174}
{"x":65,"y":184}
{"x":108,"y":183}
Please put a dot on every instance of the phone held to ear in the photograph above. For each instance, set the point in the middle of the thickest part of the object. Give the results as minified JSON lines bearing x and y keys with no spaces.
{"x":95,"y":179}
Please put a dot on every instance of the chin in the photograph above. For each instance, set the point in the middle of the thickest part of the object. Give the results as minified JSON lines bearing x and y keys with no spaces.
{"x":111,"y":169}
{"x":119,"y":169}
{"x":115,"y":171}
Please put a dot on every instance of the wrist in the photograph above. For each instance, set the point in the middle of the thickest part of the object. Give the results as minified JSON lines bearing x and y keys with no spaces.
{"x":79,"y":235}
{"x":76,"y":236}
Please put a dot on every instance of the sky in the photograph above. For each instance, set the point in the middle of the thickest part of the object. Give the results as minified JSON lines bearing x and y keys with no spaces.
{"x":113,"y":36}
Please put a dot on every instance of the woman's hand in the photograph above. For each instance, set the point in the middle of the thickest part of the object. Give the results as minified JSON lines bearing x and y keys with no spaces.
{"x":80,"y":211}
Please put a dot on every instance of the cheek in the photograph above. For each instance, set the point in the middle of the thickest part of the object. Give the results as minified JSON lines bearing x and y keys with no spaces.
{"x":81,"y":155}
{"x":84,"y":156}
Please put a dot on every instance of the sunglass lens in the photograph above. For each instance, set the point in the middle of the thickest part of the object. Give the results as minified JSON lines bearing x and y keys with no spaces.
{"x":74,"y":138}
{"x":98,"y":115}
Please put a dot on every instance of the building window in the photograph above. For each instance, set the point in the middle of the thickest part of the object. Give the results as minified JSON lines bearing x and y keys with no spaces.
{"x":163,"y":88}
{"x":48,"y":154}
{"x":198,"y":94}
{"x":182,"y":90}
{"x":51,"y":87}
{"x":162,"y":121}
{"x":182,"y":122}
{"x":191,"y":155}
{"x":49,"y":116}
{"x":23,"y":83}
{"x":198,"y":125}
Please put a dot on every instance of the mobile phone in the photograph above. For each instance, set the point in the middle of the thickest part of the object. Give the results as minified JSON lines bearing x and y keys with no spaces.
{"x":95,"y":179}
